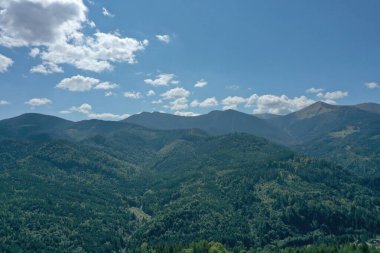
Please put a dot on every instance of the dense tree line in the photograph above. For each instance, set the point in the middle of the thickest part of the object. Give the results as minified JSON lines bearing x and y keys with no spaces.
{"x":162,"y":192}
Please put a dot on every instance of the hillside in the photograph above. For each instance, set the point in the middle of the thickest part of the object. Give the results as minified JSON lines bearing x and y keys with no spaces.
{"x":347,"y":135}
{"x":344,"y":134}
{"x":123,"y":185}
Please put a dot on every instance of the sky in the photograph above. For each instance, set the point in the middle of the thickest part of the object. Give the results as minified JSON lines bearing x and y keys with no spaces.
{"x":114,"y":58}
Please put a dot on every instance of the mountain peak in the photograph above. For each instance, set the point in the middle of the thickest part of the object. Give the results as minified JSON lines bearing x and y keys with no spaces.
{"x":35,"y":117}
{"x":315,"y":109}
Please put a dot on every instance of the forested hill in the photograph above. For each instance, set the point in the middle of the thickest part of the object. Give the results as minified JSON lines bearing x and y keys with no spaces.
{"x":97,"y":186}
{"x":346,"y":134}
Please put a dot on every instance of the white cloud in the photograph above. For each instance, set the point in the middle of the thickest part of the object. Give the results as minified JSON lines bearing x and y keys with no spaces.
{"x":232,"y":102}
{"x":314,"y":90}
{"x":106,"y":13}
{"x":95,"y":53}
{"x":277,"y":104}
{"x":151,"y":93}
{"x":91,"y":23}
{"x":208,"y":102}
{"x":46,"y":68}
{"x":106,"y":86}
{"x":38,"y":102}
{"x":59,"y":36}
{"x":80,"y":83}
{"x":4,"y":102}
{"x":108,"y":116}
{"x":34,"y":52}
{"x":164,"y":38}
{"x":108,"y":93}
{"x":175,"y":93}
{"x":200,"y":84}
{"x":56,"y":20}
{"x":132,"y":94}
{"x":5,"y":62}
{"x":86,"y":109}
{"x":372,"y":85}
{"x":251,"y":100}
{"x":178,"y":104}
{"x":186,"y":114}
{"x":162,"y":80}
{"x":333,"y":95}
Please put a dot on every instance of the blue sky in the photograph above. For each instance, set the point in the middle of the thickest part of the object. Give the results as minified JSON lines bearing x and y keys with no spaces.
{"x":110,"y":59}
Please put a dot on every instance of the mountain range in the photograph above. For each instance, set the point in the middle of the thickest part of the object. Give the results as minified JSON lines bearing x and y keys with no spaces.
{"x":245,"y":181}
{"x":346,"y":134}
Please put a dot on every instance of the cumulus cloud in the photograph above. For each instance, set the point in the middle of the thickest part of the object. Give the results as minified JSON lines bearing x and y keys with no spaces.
{"x":46,"y":68}
{"x":200,"y":84}
{"x":108,"y":116}
{"x":164,"y":38}
{"x":96,"y":53}
{"x":80,"y":83}
{"x":132,"y":94}
{"x":5,"y":62}
{"x":186,"y":114}
{"x":34,"y":52}
{"x":56,"y":20}
{"x":162,"y":80}
{"x":59,"y":37}
{"x":372,"y":85}
{"x":277,"y":104}
{"x":106,"y":86}
{"x":178,"y":104}
{"x":175,"y":93}
{"x":38,"y":102}
{"x":86,"y":109}
{"x":232,"y":102}
{"x":4,"y":102}
{"x":334,"y":95}
{"x":151,"y":93}
{"x":107,"y":13}
{"x":208,"y":102}
{"x":314,"y":90}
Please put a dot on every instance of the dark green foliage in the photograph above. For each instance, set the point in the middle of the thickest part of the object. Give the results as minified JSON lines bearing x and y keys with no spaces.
{"x":215,"y":247}
{"x":109,"y":186}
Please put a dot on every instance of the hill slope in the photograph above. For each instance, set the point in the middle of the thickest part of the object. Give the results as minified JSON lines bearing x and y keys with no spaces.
{"x":348,"y":135}
{"x":122,"y":185}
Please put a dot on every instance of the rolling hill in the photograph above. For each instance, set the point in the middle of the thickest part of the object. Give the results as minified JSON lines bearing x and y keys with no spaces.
{"x":348,"y":135}
{"x":99,"y":186}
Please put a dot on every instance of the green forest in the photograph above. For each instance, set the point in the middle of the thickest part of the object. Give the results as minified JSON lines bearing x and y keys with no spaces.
{"x":124,"y":189}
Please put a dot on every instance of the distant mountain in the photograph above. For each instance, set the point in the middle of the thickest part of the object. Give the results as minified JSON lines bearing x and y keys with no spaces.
{"x":348,"y":135}
{"x":371,"y":107}
{"x":33,"y":126}
{"x":321,"y":119}
{"x":215,"y":123}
